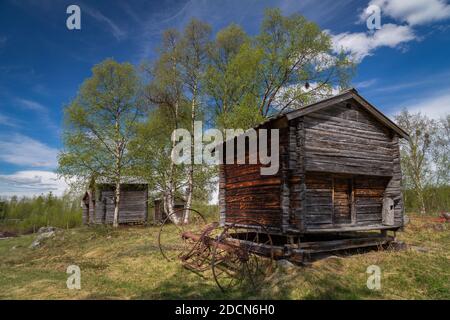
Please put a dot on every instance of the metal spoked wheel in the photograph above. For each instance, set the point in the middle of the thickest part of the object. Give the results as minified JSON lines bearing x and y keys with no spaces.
{"x":172,"y":243}
{"x":241,"y":255}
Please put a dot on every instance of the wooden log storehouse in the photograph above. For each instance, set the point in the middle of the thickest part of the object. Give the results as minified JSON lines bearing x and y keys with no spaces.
{"x":98,"y":203}
{"x":160,"y":215}
{"x":339,"y":171}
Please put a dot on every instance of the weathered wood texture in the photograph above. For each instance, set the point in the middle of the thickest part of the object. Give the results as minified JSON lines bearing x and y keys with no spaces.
{"x":345,"y":139}
{"x":337,"y":164}
{"x":394,"y":187}
{"x":222,"y":194}
{"x":342,"y":200}
{"x":249,"y":195}
{"x":133,"y":206}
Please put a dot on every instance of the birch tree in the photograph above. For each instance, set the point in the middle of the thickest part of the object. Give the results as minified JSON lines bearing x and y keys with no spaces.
{"x":194,"y":48}
{"x":441,"y":151}
{"x":298,"y":64}
{"x":290,"y":63}
{"x":416,"y":153}
{"x":99,"y":125}
{"x":164,"y":91}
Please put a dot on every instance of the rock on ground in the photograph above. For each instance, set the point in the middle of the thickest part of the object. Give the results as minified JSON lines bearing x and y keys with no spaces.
{"x":43,"y":233}
{"x":46,"y":229}
{"x":285,"y":264}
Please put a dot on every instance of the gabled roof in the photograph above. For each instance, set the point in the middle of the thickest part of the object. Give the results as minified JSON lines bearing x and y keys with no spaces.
{"x":344,"y":96}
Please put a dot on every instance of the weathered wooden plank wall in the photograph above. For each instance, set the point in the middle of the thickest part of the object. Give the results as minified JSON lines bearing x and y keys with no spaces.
{"x":337,"y":199}
{"x":394,"y":187}
{"x":319,"y":199}
{"x":345,"y":139}
{"x":336,"y":166}
{"x":250,"y":195}
{"x":132,"y":209}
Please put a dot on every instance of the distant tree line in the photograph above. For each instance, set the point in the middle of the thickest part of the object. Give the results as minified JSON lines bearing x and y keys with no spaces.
{"x":28,"y":214}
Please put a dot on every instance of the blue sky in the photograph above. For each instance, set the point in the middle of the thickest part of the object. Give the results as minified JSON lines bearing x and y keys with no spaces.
{"x":405,"y":64}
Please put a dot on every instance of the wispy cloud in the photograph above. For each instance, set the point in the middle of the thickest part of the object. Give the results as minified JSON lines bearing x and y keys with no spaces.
{"x":430,"y":80}
{"x":21,"y":150}
{"x":31,"y":183}
{"x":31,"y":105}
{"x":434,"y":106}
{"x":43,"y":112}
{"x":8,"y":121}
{"x":117,"y":31}
{"x":365,"y":84}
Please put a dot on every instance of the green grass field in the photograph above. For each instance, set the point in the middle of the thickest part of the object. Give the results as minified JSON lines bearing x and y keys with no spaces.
{"x":126,"y":264}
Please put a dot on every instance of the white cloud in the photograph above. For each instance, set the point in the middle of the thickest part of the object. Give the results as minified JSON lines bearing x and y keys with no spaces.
{"x":414,"y":12}
{"x":435,"y":107}
{"x":22,"y":150}
{"x":362,"y":44}
{"x":365,"y":83}
{"x":31,"y":183}
{"x":31,"y":105}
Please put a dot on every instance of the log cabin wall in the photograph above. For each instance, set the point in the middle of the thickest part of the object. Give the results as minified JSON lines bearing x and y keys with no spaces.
{"x":338,"y":164}
{"x":246,"y":194}
{"x":296,"y":174}
{"x":347,"y":139}
{"x":133,"y":206}
{"x":394,"y":187}
{"x":351,"y":163}
{"x":342,"y":199}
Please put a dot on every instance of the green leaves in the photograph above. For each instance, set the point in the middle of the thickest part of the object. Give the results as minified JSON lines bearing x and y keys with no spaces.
{"x":99,"y":123}
{"x":270,"y":70}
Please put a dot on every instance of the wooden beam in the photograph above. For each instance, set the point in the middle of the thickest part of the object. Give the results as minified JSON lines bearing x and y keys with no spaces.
{"x":351,"y":228}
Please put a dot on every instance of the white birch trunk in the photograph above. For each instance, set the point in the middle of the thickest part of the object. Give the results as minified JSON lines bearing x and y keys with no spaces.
{"x":190,"y":185}
{"x":116,"y":205}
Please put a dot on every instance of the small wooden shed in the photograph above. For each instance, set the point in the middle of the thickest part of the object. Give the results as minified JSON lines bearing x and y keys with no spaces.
{"x":339,"y":172}
{"x":159,"y":214}
{"x":98,"y":204}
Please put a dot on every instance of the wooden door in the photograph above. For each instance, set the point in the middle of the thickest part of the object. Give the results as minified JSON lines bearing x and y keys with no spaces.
{"x":342,"y":200}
